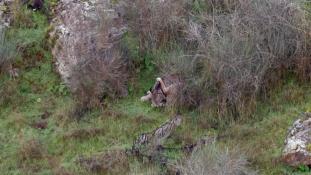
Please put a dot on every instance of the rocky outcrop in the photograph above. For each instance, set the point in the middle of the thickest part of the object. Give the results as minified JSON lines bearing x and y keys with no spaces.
{"x":297,"y":149}
{"x":84,"y":30}
{"x":5,"y":13}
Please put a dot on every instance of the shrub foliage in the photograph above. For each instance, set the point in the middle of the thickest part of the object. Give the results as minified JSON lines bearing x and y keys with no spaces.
{"x":238,"y":50}
{"x":211,"y":160}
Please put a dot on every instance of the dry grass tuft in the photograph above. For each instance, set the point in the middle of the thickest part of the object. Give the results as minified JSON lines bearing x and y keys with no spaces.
{"x":31,"y":149}
{"x":111,"y":162}
{"x":17,"y":121}
{"x":8,"y":51}
{"x":211,"y":160}
{"x":113,"y":113}
{"x":138,"y":120}
{"x":62,"y":171}
{"x":84,"y":133}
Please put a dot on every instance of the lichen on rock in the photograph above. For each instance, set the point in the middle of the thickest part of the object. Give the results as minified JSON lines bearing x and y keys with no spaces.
{"x":297,"y":144}
{"x":4,"y":15}
{"x":85,"y":30}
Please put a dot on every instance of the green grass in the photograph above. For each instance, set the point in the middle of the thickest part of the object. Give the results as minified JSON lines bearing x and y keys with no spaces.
{"x":39,"y":90}
{"x":263,"y":140}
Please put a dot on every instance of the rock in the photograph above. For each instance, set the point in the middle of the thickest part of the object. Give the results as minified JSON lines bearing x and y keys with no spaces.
{"x":297,"y":150}
{"x":78,"y":29}
{"x":5,"y":13}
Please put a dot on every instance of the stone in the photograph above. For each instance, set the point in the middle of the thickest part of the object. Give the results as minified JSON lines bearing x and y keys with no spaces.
{"x":297,"y":150}
{"x":76,"y":25}
{"x":5,"y":16}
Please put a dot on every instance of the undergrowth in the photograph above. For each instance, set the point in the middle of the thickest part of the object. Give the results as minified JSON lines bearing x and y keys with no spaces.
{"x":38,"y":136}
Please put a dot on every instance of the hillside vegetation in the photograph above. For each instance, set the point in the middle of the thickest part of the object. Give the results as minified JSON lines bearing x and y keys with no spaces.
{"x":245,"y":68}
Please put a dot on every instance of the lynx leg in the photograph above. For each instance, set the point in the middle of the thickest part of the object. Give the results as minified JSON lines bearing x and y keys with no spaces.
{"x":166,"y":89}
{"x":146,"y":97}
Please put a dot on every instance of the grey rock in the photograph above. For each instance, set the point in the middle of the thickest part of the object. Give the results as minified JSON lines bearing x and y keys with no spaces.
{"x":297,"y":150}
{"x":76,"y":25}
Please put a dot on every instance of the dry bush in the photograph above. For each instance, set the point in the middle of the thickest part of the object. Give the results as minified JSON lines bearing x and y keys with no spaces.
{"x":155,"y":22}
{"x":98,"y":78}
{"x":242,"y":53}
{"x":211,"y":160}
{"x":98,"y":68}
{"x":186,"y":69}
{"x":111,"y":162}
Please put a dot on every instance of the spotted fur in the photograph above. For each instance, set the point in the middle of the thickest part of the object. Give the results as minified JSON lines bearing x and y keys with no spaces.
{"x":154,"y":138}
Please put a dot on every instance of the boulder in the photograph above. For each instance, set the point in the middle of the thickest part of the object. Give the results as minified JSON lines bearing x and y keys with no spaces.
{"x":297,"y":150}
{"x":79,"y":35}
{"x":5,"y":13}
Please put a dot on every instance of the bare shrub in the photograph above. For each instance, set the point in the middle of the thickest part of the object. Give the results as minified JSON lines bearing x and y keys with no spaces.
{"x":242,"y":52}
{"x":211,"y":160}
{"x":186,"y":69}
{"x":156,"y":22}
{"x":97,"y":78}
{"x":97,"y":69}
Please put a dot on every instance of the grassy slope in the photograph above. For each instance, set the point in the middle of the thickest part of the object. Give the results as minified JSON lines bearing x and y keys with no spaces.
{"x":262,"y":141}
{"x":39,"y":90}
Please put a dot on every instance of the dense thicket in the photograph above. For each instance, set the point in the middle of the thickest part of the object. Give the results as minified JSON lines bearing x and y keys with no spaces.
{"x":229,"y":52}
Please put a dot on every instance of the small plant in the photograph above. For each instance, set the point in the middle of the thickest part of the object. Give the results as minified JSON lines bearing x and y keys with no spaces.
{"x":59,"y":89}
{"x":303,"y":168}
